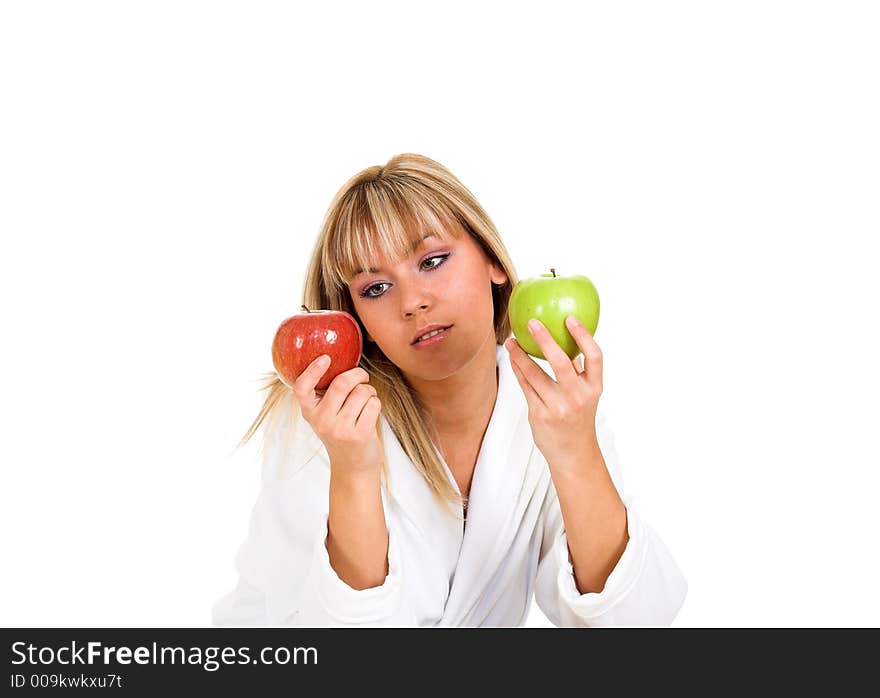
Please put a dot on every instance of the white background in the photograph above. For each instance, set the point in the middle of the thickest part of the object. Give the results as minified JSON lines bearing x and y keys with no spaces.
{"x":712,"y":167}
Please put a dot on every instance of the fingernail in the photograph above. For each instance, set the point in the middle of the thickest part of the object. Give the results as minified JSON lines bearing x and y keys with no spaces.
{"x":534,"y":325}
{"x":572,"y":320}
{"x":323,"y":360}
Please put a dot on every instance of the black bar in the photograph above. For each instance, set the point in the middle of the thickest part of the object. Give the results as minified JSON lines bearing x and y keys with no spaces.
{"x":147,"y":660}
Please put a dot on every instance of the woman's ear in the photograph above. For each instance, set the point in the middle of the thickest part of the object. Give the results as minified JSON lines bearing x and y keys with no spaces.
{"x":498,"y":275}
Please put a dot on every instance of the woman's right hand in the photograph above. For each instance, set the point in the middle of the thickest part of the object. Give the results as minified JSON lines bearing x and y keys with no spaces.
{"x":344,"y":417}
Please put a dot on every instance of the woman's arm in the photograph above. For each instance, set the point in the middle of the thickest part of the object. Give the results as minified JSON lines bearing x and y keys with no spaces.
{"x":357,"y":537}
{"x":594,"y":517}
{"x":645,"y":585}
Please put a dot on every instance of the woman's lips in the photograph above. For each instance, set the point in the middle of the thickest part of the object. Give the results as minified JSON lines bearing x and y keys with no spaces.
{"x":436,"y":339}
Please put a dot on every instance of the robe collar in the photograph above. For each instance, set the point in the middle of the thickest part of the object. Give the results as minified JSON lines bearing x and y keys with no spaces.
{"x":505,"y":478}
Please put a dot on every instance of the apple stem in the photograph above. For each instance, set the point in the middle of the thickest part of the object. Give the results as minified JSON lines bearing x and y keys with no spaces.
{"x":305,"y":310}
{"x":553,"y":271}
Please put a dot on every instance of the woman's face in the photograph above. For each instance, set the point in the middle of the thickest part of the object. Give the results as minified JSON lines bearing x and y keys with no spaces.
{"x":445,"y":282}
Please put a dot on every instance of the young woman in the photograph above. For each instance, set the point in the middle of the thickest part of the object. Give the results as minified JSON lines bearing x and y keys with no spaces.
{"x":449,"y":478}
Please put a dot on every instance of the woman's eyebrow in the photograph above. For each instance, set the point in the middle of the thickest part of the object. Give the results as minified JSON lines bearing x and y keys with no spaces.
{"x":416,"y":245}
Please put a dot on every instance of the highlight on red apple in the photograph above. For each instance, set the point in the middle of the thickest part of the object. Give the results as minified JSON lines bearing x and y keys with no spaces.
{"x":303,"y":337}
{"x":551,"y":299}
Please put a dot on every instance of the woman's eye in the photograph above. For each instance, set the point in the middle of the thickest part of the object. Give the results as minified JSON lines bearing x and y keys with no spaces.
{"x":441,"y":257}
{"x":367,"y":292}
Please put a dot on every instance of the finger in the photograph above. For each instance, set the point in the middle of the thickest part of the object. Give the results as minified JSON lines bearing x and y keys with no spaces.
{"x":354,"y":403}
{"x":556,"y":357}
{"x":304,"y":385}
{"x":591,"y":351}
{"x":339,"y":389}
{"x":367,"y":418}
{"x":531,"y":396}
{"x":535,"y":376}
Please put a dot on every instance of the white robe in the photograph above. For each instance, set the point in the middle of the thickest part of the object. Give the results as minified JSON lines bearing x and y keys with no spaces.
{"x":513,"y":545}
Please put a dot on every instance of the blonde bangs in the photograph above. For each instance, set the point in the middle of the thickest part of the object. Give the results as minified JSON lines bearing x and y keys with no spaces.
{"x":383,"y":216}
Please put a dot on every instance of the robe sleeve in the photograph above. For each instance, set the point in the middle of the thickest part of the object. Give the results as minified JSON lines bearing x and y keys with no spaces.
{"x":646,"y":587}
{"x":328,"y":601}
{"x":285,"y":576}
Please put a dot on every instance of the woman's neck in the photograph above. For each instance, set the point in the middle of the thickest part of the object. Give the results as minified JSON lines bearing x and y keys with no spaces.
{"x":462,"y":405}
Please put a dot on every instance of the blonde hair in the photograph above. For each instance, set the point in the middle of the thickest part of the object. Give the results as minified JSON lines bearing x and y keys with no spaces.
{"x":386,"y":209}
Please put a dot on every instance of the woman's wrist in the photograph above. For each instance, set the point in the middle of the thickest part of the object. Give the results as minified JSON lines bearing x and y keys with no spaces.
{"x":354,"y":479}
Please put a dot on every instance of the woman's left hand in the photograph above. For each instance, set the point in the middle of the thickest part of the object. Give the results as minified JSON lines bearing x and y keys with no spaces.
{"x":562,"y":413}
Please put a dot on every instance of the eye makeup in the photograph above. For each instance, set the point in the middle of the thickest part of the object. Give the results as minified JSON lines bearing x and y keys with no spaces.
{"x":365,"y":293}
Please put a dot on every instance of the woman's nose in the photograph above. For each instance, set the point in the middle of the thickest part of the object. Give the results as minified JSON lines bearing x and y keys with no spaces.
{"x":421,"y":307}
{"x":414,"y":300}
{"x":415,"y":297}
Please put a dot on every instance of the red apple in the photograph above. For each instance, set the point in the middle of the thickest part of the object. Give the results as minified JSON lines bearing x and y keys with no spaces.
{"x":303,"y":337}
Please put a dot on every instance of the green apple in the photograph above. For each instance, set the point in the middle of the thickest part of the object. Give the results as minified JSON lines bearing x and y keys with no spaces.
{"x":551,"y":299}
